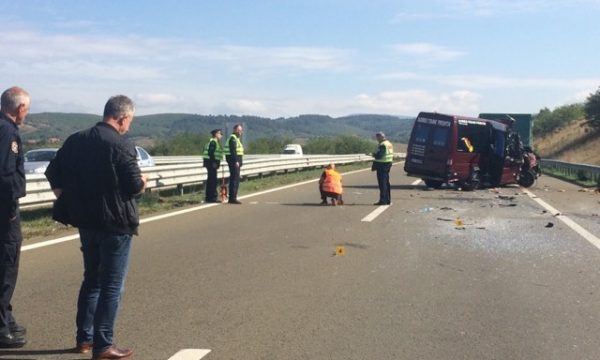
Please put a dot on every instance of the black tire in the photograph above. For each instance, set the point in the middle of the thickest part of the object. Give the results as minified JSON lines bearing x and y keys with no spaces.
{"x":472,"y":183}
{"x":527,"y":178}
{"x":436,"y":184}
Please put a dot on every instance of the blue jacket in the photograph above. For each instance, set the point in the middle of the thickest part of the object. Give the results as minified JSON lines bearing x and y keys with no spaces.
{"x":12,"y":172}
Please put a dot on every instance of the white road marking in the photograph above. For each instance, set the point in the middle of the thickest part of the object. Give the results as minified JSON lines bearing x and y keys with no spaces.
{"x":375,"y":213}
{"x":416,"y":182}
{"x":570,"y":223}
{"x":175,"y":213}
{"x":190,"y":354}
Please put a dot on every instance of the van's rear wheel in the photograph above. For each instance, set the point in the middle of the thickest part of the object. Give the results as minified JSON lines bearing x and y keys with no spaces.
{"x":527,"y":178}
{"x":472,"y":183}
{"x":436,"y":184}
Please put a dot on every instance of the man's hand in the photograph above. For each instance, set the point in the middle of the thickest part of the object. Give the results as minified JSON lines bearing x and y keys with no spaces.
{"x":145,"y":181}
{"x":237,"y":164}
{"x":12,"y":218}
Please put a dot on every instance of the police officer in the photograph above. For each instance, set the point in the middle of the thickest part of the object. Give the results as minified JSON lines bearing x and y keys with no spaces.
{"x":234,"y":152}
{"x":382,"y":164}
{"x":14,"y":106}
{"x":213,"y":154}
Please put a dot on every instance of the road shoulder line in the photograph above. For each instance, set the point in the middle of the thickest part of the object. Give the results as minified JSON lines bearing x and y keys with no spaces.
{"x":591,"y":238}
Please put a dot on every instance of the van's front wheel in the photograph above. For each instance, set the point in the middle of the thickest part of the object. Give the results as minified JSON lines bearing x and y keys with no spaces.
{"x":436,"y":184}
{"x":527,"y":178}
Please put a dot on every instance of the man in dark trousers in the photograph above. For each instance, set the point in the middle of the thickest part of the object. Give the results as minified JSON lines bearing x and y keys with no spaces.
{"x":212,"y":155}
{"x":96,"y":179}
{"x":14,"y":106}
{"x":234,"y":152}
{"x":382,"y":164}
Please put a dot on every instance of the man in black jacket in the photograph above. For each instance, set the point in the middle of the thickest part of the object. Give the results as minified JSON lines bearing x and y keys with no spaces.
{"x":14,"y":106}
{"x":96,"y":178}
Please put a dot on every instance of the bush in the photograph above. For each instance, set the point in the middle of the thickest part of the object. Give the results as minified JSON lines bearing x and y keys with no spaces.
{"x":182,"y":144}
{"x":342,"y":144}
{"x":592,"y":109}
{"x":273,"y":145}
{"x":547,"y":121}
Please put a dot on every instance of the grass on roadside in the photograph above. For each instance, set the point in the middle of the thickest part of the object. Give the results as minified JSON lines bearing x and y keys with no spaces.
{"x":38,"y":222}
{"x":575,"y":179}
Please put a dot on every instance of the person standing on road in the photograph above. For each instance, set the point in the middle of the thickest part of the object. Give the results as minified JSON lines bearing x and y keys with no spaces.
{"x":382,"y":164}
{"x":234,"y":153}
{"x":14,"y":106}
{"x":213,"y":155}
{"x":96,"y":179}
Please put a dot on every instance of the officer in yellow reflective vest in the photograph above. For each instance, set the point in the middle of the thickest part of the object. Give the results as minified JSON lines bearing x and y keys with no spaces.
{"x":382,"y":164}
{"x":234,"y":153}
{"x":212,"y":156}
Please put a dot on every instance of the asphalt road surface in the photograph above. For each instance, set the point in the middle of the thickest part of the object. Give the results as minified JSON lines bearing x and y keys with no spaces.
{"x":439,"y":274}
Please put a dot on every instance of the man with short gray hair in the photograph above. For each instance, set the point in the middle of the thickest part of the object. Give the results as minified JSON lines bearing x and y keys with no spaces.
{"x":96,"y":179}
{"x":14,"y":107}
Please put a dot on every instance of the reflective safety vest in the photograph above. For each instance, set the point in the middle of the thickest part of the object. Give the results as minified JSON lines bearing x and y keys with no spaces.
{"x":218,"y":150}
{"x":389,"y":152}
{"x":239,"y":148}
{"x":332,"y":182}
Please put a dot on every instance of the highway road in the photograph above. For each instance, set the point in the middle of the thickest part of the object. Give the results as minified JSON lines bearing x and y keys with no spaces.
{"x":263,"y":280}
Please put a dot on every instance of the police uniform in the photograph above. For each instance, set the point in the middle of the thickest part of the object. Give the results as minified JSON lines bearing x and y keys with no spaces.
{"x":234,"y":152}
{"x":12,"y":187}
{"x":212,"y":155}
{"x":382,"y":164}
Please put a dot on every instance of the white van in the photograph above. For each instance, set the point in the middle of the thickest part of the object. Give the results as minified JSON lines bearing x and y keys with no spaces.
{"x":292,"y":149}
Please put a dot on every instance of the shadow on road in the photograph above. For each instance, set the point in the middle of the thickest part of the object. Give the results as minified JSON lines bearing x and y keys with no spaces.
{"x":393,"y":187}
{"x":18,"y":353}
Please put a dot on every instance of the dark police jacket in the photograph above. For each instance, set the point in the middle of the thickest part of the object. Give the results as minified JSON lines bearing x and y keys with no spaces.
{"x":98,"y":173}
{"x":12,"y":173}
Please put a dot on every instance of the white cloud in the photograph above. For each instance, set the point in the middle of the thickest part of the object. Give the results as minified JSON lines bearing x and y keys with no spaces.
{"x":456,"y":9}
{"x":477,"y":81}
{"x":428,"y":52}
{"x":413,"y":101}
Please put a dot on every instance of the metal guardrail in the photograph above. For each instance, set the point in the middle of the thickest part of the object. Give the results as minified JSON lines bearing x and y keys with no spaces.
{"x":179,"y":171}
{"x":573,"y":170}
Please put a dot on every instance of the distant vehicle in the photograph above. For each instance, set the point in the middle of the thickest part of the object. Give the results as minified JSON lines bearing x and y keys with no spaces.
{"x":469,"y":152}
{"x":36,"y":161}
{"x":143,"y":158}
{"x":292,"y":149}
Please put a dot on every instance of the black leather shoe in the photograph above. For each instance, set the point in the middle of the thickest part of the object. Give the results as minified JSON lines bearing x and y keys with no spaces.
{"x":237,"y":202}
{"x":11,"y":341}
{"x":17,"y":330}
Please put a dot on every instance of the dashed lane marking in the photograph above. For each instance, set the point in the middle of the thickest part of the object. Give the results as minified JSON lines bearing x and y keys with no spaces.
{"x":190,"y":354}
{"x":375,"y":213}
{"x":565,"y":219}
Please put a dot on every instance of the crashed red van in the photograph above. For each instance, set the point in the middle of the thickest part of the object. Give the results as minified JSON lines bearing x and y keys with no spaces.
{"x":468,"y":152}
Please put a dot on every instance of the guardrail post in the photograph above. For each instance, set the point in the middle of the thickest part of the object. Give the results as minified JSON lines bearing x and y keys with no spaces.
{"x":180,"y":189}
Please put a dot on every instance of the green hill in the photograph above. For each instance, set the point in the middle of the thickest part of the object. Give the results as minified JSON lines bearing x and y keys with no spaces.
{"x":47,"y":127}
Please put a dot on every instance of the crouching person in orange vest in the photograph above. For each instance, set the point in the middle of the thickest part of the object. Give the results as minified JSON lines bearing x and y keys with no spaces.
{"x":330,"y":185}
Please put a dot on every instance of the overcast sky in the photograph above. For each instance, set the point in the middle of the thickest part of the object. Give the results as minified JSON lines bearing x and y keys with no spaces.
{"x":290,"y":57}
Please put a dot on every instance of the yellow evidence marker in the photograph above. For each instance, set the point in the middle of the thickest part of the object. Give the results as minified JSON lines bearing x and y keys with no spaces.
{"x":340,"y":251}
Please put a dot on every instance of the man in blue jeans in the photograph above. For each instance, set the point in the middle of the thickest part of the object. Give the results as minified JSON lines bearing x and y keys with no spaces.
{"x":96,"y":179}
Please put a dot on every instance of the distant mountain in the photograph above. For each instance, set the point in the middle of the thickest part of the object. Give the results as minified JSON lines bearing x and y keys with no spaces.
{"x":44,"y":126}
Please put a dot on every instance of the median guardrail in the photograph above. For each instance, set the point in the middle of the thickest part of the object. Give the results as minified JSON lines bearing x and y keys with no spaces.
{"x":180,"y":171}
{"x":582,"y":172}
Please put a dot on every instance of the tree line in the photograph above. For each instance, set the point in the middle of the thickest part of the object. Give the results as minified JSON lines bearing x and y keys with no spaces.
{"x":548,"y":120}
{"x":193,"y":144}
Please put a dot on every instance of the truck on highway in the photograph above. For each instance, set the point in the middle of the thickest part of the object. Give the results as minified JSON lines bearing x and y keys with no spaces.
{"x":469,"y":152}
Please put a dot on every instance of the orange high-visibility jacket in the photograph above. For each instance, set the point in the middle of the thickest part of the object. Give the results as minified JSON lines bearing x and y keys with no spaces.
{"x":332,"y":182}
